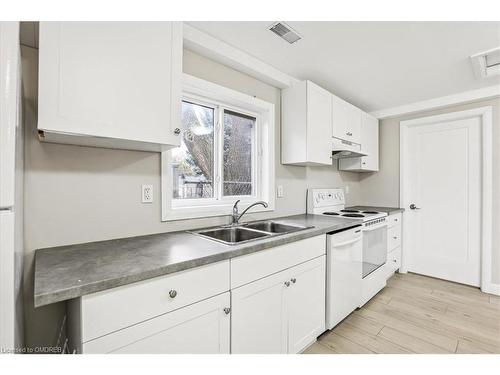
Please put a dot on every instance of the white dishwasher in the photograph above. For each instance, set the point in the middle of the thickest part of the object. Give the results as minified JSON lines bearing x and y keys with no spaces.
{"x":344,"y":268}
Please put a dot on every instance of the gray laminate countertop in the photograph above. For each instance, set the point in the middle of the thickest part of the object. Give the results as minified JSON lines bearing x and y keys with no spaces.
{"x":389,"y":210}
{"x":67,"y":272}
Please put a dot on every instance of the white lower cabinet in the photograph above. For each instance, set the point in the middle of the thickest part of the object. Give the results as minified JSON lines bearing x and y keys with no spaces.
{"x":305,"y":301}
{"x":281,"y":313}
{"x":272,"y":301}
{"x":200,"y":328}
{"x":258,"y":316}
{"x":394,"y":243}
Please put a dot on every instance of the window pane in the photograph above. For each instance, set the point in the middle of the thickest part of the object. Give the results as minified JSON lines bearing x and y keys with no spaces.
{"x":193,"y":161}
{"x":238,"y":138}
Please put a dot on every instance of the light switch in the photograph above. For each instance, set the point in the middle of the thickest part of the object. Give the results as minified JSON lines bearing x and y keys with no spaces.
{"x":280,"y":191}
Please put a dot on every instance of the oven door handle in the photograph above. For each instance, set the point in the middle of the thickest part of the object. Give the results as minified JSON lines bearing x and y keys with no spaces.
{"x":375,"y":228}
{"x":342,"y":244}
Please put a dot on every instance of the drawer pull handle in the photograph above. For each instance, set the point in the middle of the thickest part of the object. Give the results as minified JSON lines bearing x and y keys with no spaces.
{"x":287,"y":283}
{"x":172,"y":293}
{"x":293,"y":280}
{"x":227,"y":310}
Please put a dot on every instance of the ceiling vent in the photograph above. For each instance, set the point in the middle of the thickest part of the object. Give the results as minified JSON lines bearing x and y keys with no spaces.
{"x":487,"y":63}
{"x":284,"y":31}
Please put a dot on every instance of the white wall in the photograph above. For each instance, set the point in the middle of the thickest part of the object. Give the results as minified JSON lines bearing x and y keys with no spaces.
{"x":80,"y":194}
{"x":382,"y":188}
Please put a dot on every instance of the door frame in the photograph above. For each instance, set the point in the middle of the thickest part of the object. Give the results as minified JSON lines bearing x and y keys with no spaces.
{"x":486,"y":115}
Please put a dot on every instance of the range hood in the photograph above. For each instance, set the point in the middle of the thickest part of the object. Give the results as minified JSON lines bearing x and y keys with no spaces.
{"x":345,"y":149}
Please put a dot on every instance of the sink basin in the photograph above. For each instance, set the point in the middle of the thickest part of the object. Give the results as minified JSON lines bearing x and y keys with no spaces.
{"x":232,"y":235}
{"x":274,"y":227}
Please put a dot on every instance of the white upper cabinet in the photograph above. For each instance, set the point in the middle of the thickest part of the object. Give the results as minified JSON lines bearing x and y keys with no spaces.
{"x":110,"y":84}
{"x":307,"y":125}
{"x":313,"y":120}
{"x":346,"y":120}
{"x":369,"y":145}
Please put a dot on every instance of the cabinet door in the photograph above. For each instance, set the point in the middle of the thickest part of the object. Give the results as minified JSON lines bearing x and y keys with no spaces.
{"x":319,"y":125}
{"x":200,"y":328}
{"x":353,"y":128}
{"x":305,"y":300}
{"x":339,"y":117}
{"x":258,"y":316}
{"x":112,"y":80}
{"x":369,"y":142}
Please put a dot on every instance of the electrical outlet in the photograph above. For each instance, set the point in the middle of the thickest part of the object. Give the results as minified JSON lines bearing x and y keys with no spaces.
{"x":147,"y":193}
{"x":279,"y":192}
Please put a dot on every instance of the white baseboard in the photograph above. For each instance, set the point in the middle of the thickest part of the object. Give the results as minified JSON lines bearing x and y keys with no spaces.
{"x":491,"y":288}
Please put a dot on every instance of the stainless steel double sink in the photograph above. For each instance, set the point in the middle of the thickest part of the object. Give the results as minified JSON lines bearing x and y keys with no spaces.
{"x":242,"y":233}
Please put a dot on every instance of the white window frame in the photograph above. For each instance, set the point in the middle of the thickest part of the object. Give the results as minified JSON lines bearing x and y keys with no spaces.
{"x":209,"y":94}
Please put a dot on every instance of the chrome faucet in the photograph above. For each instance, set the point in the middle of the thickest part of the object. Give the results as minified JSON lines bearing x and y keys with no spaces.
{"x":237,"y":216}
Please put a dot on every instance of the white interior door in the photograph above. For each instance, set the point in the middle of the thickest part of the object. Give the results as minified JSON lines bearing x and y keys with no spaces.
{"x":442,"y":195}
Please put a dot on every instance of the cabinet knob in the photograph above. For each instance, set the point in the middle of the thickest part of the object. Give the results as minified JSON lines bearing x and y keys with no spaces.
{"x":287,"y":283}
{"x":395,"y":219}
{"x":227,"y":310}
{"x":177,"y":131}
{"x":394,"y":260}
{"x":172,"y":293}
{"x":293,"y":280}
{"x":349,"y":134}
{"x":395,"y":237}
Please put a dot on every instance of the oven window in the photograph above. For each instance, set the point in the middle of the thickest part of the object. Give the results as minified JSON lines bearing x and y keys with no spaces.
{"x":374,"y":249}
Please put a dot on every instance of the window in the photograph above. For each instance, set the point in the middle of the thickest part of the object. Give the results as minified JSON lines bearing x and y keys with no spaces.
{"x":193,"y":161}
{"x":226,"y":153}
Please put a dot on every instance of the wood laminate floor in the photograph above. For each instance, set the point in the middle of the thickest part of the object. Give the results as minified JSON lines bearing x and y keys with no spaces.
{"x":418,"y":314}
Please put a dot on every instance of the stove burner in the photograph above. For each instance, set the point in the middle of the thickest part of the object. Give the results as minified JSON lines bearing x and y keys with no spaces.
{"x":353,"y":215}
{"x":370,"y":212}
{"x":330,"y":213}
{"x":349,"y":210}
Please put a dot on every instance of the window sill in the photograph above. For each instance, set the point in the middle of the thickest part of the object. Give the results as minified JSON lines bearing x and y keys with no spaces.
{"x":182,"y":213}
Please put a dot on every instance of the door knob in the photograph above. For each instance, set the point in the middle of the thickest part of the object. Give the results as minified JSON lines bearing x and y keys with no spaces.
{"x":172,"y":293}
{"x":177,"y":131}
{"x":293,"y":280}
{"x":287,"y":283}
{"x":413,"y":207}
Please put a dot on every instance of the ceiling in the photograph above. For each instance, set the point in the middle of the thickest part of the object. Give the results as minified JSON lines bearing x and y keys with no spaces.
{"x":373,"y":65}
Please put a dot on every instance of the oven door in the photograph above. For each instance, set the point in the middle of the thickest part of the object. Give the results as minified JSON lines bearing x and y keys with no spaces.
{"x":374,"y":248}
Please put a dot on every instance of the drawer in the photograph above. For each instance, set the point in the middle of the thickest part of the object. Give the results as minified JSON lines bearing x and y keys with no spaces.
{"x":248,"y":268}
{"x":394,"y":259}
{"x":117,"y":308}
{"x":394,"y":219}
{"x":393,"y":237}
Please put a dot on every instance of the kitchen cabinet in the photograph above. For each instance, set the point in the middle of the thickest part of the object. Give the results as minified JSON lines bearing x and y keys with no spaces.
{"x":393,"y":243}
{"x":281,"y":313}
{"x":306,"y":125}
{"x":272,"y":301}
{"x":305,"y":299}
{"x":369,"y":145}
{"x":110,"y":84}
{"x":346,"y":120}
{"x":201,"y":328}
{"x":155,"y":312}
